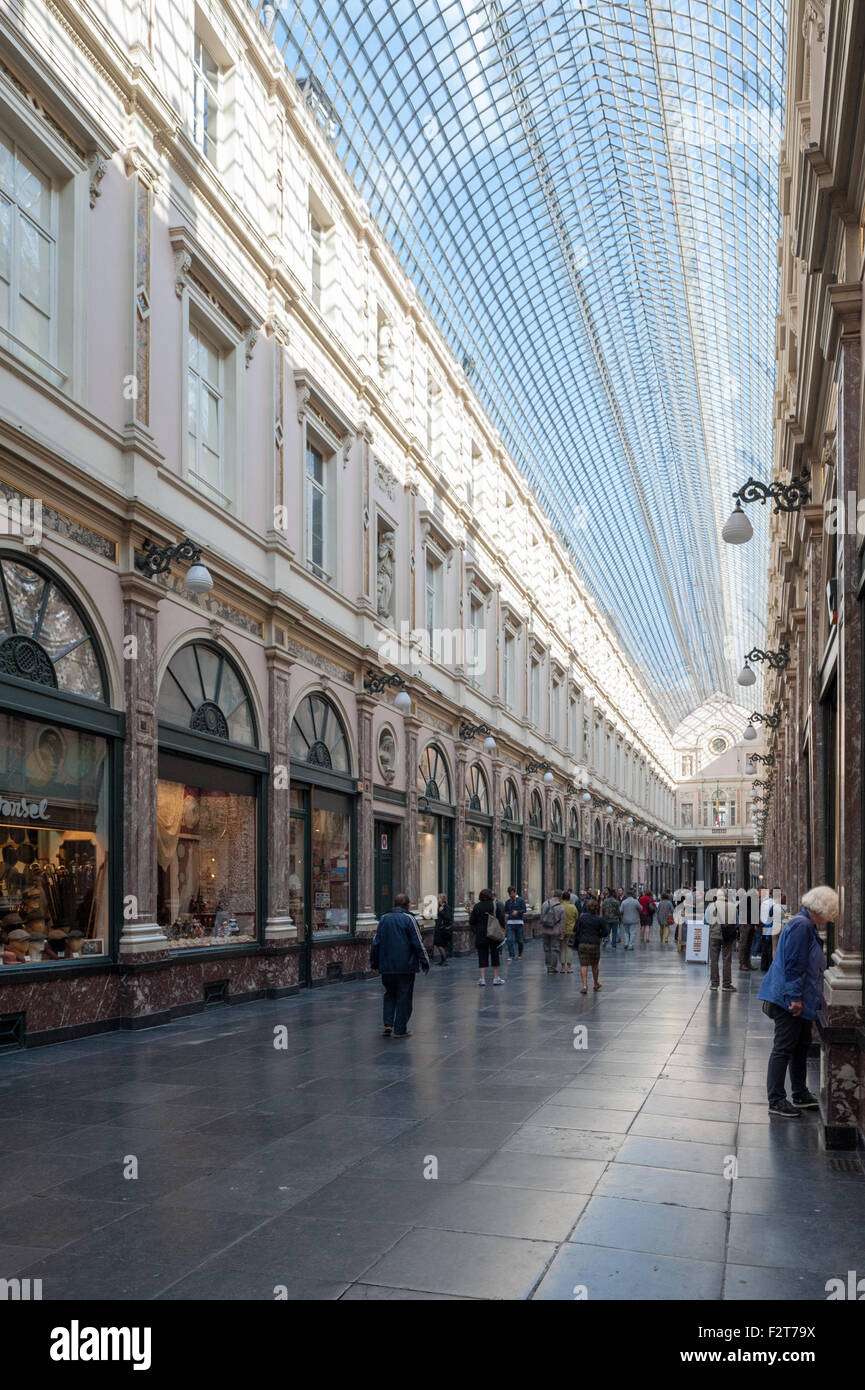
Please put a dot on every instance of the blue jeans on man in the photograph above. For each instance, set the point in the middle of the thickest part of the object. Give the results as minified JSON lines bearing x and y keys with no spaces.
{"x":516,"y":938}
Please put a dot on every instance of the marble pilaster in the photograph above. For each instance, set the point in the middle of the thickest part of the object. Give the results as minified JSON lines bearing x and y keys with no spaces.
{"x":278,"y":924}
{"x":366,"y":918}
{"x":460,"y":913}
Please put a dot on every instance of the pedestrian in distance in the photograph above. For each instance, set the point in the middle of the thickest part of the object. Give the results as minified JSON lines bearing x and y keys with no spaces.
{"x":443,"y":929}
{"x":515,"y":915}
{"x":397,"y":953}
{"x":771,"y":917}
{"x":611,"y":911}
{"x":792,"y":992}
{"x":647,"y":912}
{"x":487,"y":920}
{"x":748,"y":918}
{"x":722,"y":938}
{"x":630,"y":919}
{"x":664,"y":915}
{"x":571,"y":916}
{"x":591,"y":930}
{"x":552,"y":930}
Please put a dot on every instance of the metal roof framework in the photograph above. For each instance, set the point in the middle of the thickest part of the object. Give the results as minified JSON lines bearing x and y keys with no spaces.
{"x":583,"y":194}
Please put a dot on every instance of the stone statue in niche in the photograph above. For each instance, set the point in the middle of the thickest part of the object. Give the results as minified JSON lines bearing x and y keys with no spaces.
{"x":386,"y":349}
{"x":384,"y":573}
{"x":387,"y":755}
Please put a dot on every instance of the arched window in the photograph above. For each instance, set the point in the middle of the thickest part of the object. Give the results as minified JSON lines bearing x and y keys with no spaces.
{"x":433,"y":777}
{"x":574,"y":825}
{"x":598,"y":840}
{"x":44,"y":636}
{"x":511,"y":803}
{"x":203,"y":690}
{"x":627,"y":842}
{"x":477,"y":791}
{"x":536,"y":812}
{"x":608,"y":839}
{"x":557,"y":821}
{"x":318,"y":735}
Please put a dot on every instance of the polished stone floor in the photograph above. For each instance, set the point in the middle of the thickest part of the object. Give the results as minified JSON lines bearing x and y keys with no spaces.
{"x":302,"y":1168}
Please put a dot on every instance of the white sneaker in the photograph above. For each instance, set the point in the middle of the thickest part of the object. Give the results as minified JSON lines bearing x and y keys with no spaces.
{"x":481,"y":983}
{"x":497,"y":982}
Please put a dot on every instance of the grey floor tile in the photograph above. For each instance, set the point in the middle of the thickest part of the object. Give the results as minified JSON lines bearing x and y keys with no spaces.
{"x":325,"y":1250}
{"x":475,"y":1266}
{"x":677,"y":1154}
{"x":210,"y":1285}
{"x":51,"y":1222}
{"x":690,"y":1131}
{"x":377,"y":1293}
{"x":607,"y":1120}
{"x":540,"y":1172}
{"x":810,"y":1242}
{"x":684,"y":1232}
{"x":522,"y":1212}
{"x":598,"y":1273}
{"x":664,"y":1185}
{"x":564,"y":1143}
{"x":686,"y":1107}
{"x":756,"y":1285}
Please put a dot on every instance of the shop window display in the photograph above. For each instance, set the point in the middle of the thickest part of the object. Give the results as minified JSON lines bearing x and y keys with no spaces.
{"x":53,"y":843}
{"x":206,"y":854}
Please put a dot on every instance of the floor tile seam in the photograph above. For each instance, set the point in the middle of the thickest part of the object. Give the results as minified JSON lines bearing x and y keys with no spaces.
{"x":654,"y":1254}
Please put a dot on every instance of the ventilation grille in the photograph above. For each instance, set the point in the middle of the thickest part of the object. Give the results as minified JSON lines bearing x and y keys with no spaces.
{"x":215,"y":992}
{"x":846,"y":1165}
{"x":334,"y":970}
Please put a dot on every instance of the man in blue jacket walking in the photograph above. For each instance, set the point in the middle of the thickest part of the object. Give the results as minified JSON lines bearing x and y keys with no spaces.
{"x":397,"y":952}
{"x":792,"y":989}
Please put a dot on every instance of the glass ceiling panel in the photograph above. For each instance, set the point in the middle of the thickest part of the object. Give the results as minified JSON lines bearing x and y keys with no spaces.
{"x":583,"y":194}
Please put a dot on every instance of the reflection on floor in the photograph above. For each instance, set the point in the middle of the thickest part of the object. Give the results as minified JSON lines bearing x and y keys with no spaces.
{"x":304,"y":1170}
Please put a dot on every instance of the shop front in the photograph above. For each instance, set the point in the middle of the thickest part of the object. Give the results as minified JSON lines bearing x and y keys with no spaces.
{"x":478,"y":832}
{"x":511,"y":860}
{"x":598,"y":865}
{"x":60,"y":759}
{"x":535,"y":877}
{"x":435,"y":829}
{"x":557,"y":828}
{"x":322,"y":847}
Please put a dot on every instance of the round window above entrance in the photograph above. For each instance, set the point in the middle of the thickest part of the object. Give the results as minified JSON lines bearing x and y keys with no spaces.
{"x":44,"y":636}
{"x":203,"y":690}
{"x":718,"y":746}
{"x":318,"y":735}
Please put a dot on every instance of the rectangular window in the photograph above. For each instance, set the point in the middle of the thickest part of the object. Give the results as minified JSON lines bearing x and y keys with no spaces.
{"x":317,"y":247}
{"x":28,"y":251}
{"x":434,"y":603}
{"x":572,"y":727}
{"x":535,"y":714}
{"x":509,"y":670}
{"x":316,"y":513}
{"x":205,"y":101}
{"x":554,"y":712}
{"x":476,"y":654}
{"x":205,"y":414}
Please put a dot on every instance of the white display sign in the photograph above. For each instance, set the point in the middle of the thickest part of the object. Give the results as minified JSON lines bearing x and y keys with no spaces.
{"x":697,"y":947}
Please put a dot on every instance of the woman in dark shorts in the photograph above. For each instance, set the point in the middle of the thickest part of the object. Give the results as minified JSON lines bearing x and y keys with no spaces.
{"x":488,"y":951}
{"x":443,"y":929}
{"x":591,"y":930}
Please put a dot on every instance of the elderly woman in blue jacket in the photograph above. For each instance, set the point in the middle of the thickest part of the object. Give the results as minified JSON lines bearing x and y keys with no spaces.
{"x":791,"y":992}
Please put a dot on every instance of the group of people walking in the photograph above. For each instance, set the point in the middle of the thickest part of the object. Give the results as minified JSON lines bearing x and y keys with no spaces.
{"x":791,"y":990}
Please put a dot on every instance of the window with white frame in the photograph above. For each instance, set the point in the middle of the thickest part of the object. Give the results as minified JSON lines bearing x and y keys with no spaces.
{"x":205,"y":100}
{"x":433,"y":419}
{"x":317,"y":248}
{"x":509,"y":670}
{"x":316,"y":481}
{"x":535,"y":694}
{"x":434,"y":602}
{"x":28,"y":251}
{"x":476,"y":654}
{"x":205,"y":402}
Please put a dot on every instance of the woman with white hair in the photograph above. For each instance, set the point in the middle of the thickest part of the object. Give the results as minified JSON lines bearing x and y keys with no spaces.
{"x":791,"y":992}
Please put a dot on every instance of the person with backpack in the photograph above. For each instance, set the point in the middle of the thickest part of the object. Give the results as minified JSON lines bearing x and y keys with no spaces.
{"x":630,"y":919}
{"x":397,"y":953}
{"x":489,"y":925}
{"x":611,"y":911}
{"x":722,"y":938}
{"x":591,"y":930}
{"x":552,"y":930}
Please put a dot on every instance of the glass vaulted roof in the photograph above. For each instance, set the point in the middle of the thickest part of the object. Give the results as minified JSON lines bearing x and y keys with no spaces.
{"x":584,"y":195}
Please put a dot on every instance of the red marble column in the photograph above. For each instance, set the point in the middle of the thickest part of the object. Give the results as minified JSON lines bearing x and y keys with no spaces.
{"x":411,"y":867}
{"x":460,"y":913}
{"x":279,"y":925}
{"x":366,"y":919}
{"x":496,"y":850}
{"x":141,"y":935}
